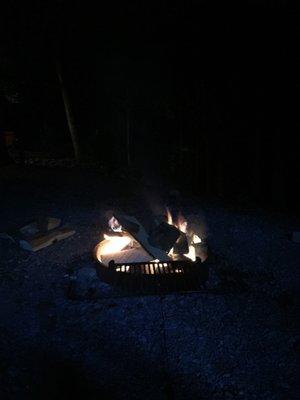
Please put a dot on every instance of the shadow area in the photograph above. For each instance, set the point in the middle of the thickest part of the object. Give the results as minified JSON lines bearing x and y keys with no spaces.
{"x":50,"y":373}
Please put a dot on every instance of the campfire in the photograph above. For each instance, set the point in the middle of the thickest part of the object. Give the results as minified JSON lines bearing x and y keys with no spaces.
{"x":172,"y":246}
{"x":191,"y":238}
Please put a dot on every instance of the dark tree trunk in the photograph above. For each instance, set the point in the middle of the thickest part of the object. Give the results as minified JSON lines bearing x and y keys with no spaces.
{"x":128,"y":150}
{"x":69,"y":112}
{"x":220,"y":176}
{"x":278,"y":187}
{"x":208,"y":165}
{"x":256,"y":165}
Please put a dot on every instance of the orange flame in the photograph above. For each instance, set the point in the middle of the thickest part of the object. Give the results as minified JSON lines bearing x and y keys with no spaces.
{"x":181,"y":222}
{"x":112,"y":244}
{"x":169,"y":217}
{"x":182,"y":225}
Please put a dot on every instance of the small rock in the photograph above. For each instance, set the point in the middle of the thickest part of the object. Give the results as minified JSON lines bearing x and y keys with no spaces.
{"x":285,"y":385}
{"x":85,"y":284}
{"x":296,"y":237}
{"x":86,"y":274}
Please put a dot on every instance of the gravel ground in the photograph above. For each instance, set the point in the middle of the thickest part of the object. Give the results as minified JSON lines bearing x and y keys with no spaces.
{"x":235,"y":345}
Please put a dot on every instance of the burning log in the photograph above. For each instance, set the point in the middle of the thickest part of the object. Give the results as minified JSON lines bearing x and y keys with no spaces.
{"x":169,"y":240}
{"x":166,"y":259}
{"x":181,"y":246}
{"x":164,"y":236}
{"x":129,"y":224}
{"x":201,"y":250}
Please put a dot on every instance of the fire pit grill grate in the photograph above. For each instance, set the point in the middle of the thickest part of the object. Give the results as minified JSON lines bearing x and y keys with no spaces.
{"x":156,"y":277}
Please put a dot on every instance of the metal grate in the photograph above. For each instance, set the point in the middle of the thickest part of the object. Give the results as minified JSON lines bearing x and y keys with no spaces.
{"x":156,"y":277}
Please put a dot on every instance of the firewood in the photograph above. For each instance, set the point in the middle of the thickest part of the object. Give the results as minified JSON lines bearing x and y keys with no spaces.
{"x":31,"y":229}
{"x":127,"y":256}
{"x":40,"y":241}
{"x":140,"y":234}
{"x":53,"y":223}
{"x":127,"y":224}
{"x":39,"y":226}
{"x":202,"y":250}
{"x":164,"y":236}
{"x":181,"y":246}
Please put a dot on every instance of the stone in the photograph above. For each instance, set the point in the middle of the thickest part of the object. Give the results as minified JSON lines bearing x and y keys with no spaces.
{"x":85,"y":284}
{"x":296,"y":237}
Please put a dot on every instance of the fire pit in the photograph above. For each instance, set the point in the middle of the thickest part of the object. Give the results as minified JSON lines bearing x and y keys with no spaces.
{"x":171,"y":257}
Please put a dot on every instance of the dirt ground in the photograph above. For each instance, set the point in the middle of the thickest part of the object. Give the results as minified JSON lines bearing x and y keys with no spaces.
{"x":235,"y":345}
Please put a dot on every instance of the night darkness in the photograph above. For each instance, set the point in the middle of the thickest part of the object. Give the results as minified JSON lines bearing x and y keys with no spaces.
{"x":205,"y":87}
{"x":199,"y":97}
